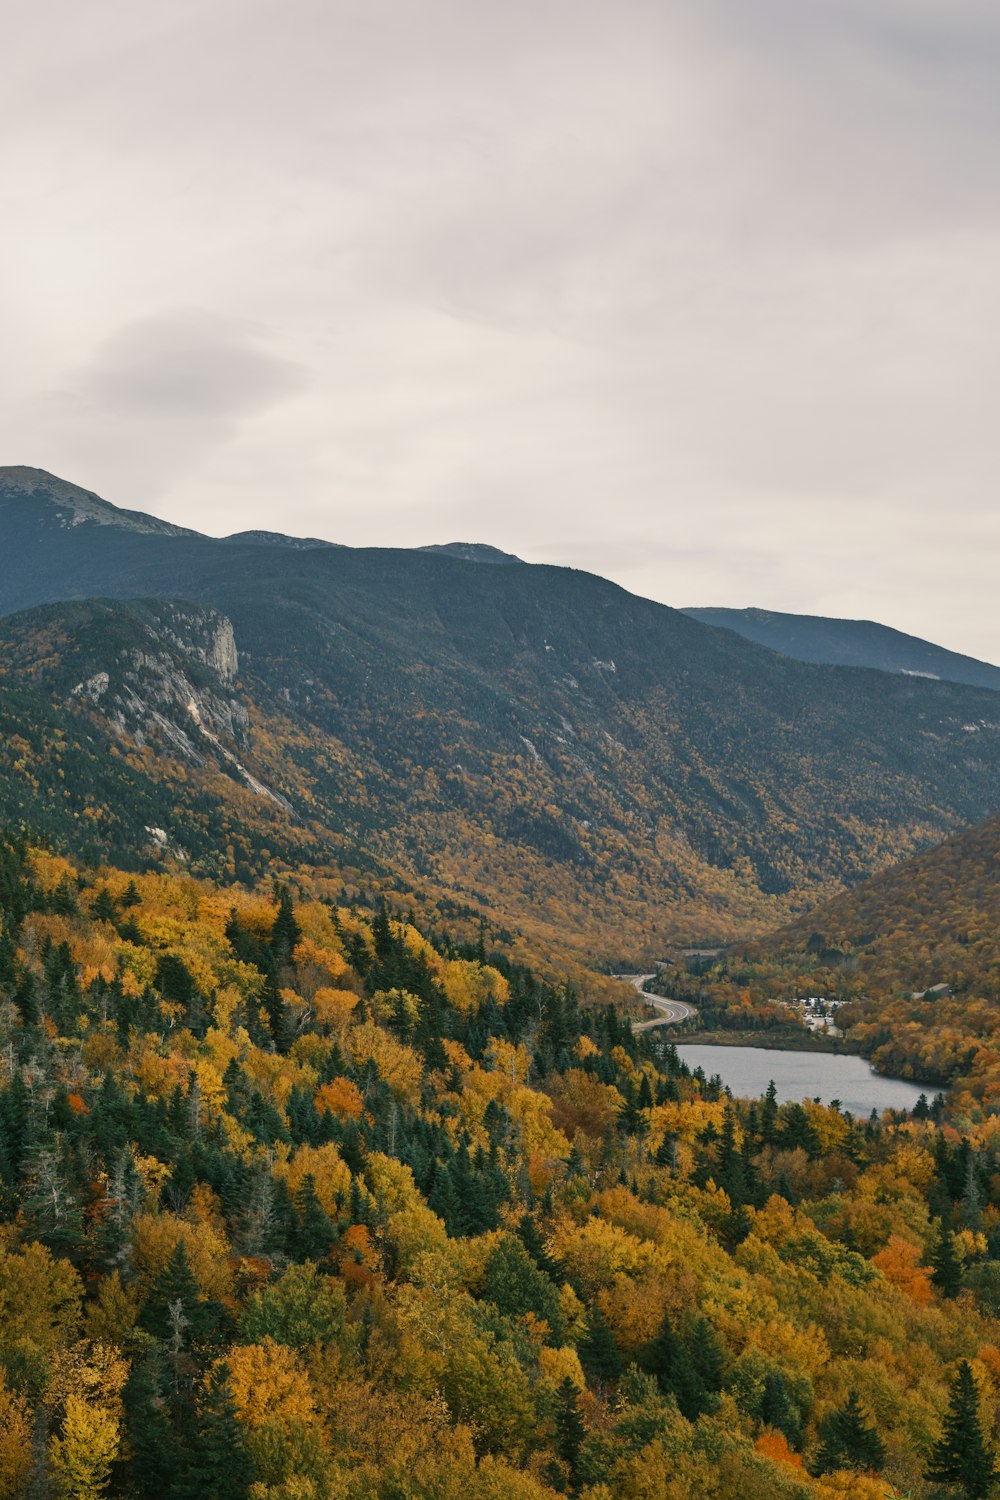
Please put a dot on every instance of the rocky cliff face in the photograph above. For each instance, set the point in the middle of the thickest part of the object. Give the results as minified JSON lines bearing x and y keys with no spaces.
{"x":202,"y":634}
{"x":161,"y":673}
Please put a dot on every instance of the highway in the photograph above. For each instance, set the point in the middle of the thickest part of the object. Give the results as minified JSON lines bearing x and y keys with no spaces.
{"x":671,"y":1011}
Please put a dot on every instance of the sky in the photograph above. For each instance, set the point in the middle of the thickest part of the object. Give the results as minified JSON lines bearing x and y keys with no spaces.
{"x":701,"y":296}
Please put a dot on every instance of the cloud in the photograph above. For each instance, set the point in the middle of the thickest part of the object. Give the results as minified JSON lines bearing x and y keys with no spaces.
{"x":170,"y":390}
{"x":184,"y":366}
{"x":703,"y":296}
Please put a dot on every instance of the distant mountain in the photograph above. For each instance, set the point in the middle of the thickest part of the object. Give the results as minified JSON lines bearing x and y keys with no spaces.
{"x":535,"y":741}
{"x":25,"y":491}
{"x":851,"y":643}
{"x":473,"y":552}
{"x":276,"y":539}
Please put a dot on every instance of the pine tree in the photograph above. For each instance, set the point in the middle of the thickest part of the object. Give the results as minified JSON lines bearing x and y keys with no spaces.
{"x":443,"y":1199}
{"x":514,"y":1284}
{"x":220,"y":1465}
{"x":598,"y":1351}
{"x":104,"y":908}
{"x":777,"y":1410}
{"x":688,"y":1365}
{"x":152,"y":1438}
{"x":286,"y":932}
{"x":848,"y":1441}
{"x":8,"y":956}
{"x":946,"y":1271}
{"x":175,"y":1288}
{"x":570,"y":1431}
{"x":531,"y":1239}
{"x":961,"y":1455}
{"x":666,"y":1151}
{"x":131,"y":896}
{"x":314,"y":1233}
{"x":769,"y":1115}
{"x":972,"y":1198}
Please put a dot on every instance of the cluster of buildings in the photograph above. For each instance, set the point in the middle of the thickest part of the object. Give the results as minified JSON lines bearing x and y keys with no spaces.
{"x":816,"y":1013}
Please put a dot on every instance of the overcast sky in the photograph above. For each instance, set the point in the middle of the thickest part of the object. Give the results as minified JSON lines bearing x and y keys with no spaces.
{"x":703,"y":296}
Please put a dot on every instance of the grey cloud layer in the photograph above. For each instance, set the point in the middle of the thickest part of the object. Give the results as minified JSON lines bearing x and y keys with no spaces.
{"x":701,"y":296}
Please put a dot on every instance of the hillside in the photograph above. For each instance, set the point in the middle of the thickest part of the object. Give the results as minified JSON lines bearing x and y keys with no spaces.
{"x":296,"y":1200}
{"x":931,"y":920}
{"x":850,"y":643}
{"x":915,"y":951}
{"x":585,"y":766}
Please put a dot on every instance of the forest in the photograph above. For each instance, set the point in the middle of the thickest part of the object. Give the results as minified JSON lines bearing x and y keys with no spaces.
{"x":300,"y":1202}
{"x":915,"y":953}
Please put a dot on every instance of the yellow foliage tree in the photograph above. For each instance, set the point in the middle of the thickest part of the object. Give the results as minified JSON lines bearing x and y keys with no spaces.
{"x":156,"y":1237}
{"x":84,"y":1452}
{"x":39,"y":1298}
{"x":15,"y":1443}
{"x":268,"y":1384}
{"x":333,"y":1008}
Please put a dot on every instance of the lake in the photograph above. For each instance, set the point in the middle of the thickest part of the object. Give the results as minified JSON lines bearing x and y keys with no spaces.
{"x":805,"y":1075}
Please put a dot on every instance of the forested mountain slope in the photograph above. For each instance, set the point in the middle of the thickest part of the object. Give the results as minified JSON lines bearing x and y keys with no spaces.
{"x":533,"y":740}
{"x":931,"y":920}
{"x":850,"y":643}
{"x":915,"y":951}
{"x":298,"y":1202}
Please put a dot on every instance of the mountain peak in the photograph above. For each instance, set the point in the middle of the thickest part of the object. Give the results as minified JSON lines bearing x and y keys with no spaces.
{"x":277,"y":539}
{"x":79,"y":506}
{"x":480,"y":552}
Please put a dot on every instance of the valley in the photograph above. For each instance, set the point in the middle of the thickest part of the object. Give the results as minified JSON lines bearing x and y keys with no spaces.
{"x":344,"y":1152}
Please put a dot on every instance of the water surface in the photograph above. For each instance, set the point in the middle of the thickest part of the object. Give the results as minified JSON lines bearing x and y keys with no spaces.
{"x":804,"y":1075}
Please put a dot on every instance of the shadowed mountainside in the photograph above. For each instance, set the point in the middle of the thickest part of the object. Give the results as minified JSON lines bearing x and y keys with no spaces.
{"x":534,"y":740}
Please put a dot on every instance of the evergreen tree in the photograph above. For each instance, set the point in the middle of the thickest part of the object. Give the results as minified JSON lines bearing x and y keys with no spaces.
{"x":314,"y":1233}
{"x":598,"y":1351}
{"x":175,"y":1302}
{"x":104,"y":908}
{"x":531,"y":1239}
{"x":848,"y":1441}
{"x":972,"y":1198}
{"x":632,"y":1118}
{"x":570,"y":1431}
{"x":514,"y":1284}
{"x":220,"y":1466}
{"x":666,"y":1151}
{"x":8,"y":956}
{"x":152,"y":1438}
{"x":443,"y":1199}
{"x":286,"y":932}
{"x":777,"y":1409}
{"x":688,"y":1365}
{"x":961,"y":1455}
{"x":946,"y":1271}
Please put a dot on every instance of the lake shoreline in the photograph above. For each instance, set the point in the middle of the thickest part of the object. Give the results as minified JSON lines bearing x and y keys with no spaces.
{"x":817,"y":1072}
{"x":774,"y":1041}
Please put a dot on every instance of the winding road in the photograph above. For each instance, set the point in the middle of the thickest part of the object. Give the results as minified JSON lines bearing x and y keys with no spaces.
{"x":671,"y":1011}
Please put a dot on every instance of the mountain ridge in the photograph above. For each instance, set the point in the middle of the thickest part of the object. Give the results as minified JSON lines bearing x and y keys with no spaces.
{"x":825,"y":640}
{"x":581,"y":763}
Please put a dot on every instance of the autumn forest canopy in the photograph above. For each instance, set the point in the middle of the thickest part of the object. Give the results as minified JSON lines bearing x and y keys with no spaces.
{"x":299,"y":1200}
